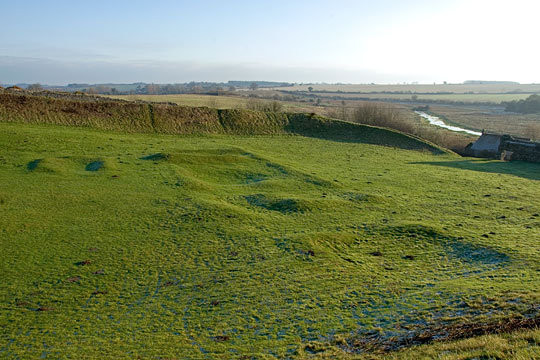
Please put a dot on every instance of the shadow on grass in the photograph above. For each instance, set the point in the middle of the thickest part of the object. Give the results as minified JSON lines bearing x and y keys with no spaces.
{"x":517,"y":168}
{"x":343,"y":131}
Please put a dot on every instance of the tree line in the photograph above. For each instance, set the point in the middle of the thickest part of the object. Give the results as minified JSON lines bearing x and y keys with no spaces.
{"x":529,"y":105}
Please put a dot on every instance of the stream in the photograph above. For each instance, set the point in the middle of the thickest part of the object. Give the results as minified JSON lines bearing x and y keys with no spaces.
{"x":434,"y":120}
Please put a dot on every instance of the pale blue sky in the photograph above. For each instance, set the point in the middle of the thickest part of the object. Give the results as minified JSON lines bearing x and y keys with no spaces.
{"x":383,"y":41}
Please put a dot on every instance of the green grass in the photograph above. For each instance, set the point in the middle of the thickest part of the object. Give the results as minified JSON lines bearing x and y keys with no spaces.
{"x":255,"y":246}
{"x":220,"y":102}
{"x":107,"y":114}
{"x":217,"y":101}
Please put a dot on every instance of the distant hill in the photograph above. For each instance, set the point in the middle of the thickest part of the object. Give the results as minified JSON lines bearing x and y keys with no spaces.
{"x":247,"y":84}
{"x":484,"y":82}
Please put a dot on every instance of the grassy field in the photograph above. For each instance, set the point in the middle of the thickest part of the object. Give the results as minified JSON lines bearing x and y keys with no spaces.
{"x":465,"y":98}
{"x":213,"y":101}
{"x":120,"y":245}
{"x":221,"y":102}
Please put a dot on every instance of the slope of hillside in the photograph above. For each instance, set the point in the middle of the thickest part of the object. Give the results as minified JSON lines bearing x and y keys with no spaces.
{"x":109,"y":114}
{"x":119,"y":245}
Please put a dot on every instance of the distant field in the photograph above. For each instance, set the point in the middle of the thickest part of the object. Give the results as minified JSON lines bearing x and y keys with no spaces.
{"x":421,"y":88}
{"x":493,"y":119}
{"x":467,"y":98}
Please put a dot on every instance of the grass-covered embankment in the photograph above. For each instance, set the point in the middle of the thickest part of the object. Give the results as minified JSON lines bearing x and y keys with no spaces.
{"x":108,"y":114}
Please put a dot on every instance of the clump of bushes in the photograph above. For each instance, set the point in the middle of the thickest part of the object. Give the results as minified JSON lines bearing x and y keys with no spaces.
{"x":530,"y":105}
{"x":382,"y":115}
{"x":260,"y":105}
{"x":388,"y":116}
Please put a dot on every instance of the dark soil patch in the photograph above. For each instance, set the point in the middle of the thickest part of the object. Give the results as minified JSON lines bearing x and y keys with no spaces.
{"x":99,"y":272}
{"x":74,"y":279}
{"x":408,"y":257}
{"x":22,"y":303}
{"x":32,"y":165}
{"x":99,"y":292}
{"x":221,"y":338}
{"x":376,"y":253}
{"x":94,"y":166}
{"x":44,"y":308}
{"x":305,"y":252}
{"x":83,"y":263}
{"x":377,"y":342}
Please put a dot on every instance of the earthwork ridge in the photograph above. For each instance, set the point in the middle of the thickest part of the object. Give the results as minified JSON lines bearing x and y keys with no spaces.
{"x":166,"y":118}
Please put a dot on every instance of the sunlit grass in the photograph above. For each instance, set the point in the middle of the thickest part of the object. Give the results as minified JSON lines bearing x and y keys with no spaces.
{"x":231,"y":246}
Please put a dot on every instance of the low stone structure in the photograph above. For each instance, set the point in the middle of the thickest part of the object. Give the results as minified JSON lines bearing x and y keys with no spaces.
{"x":505,"y":147}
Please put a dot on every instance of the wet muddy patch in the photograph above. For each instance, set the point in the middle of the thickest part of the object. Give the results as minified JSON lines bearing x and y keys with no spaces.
{"x":377,"y":342}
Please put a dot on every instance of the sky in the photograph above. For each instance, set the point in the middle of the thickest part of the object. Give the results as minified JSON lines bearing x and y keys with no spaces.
{"x":306,"y":41}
